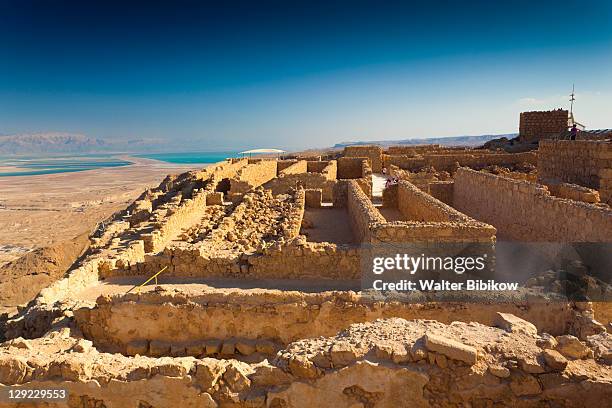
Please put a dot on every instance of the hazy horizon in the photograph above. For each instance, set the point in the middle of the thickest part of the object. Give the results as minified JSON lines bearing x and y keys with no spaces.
{"x":295,"y":76}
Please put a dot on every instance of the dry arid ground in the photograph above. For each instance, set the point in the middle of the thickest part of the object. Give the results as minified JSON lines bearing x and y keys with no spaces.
{"x":45,"y":219}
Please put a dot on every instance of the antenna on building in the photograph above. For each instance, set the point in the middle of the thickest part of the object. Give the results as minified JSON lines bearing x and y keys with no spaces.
{"x":571,"y":121}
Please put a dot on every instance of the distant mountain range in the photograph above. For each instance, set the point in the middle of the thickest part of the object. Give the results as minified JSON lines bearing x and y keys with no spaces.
{"x":56,"y":142}
{"x":446,"y":141}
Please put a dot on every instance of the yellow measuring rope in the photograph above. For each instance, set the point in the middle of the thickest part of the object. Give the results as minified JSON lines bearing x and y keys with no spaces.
{"x":137,"y":287}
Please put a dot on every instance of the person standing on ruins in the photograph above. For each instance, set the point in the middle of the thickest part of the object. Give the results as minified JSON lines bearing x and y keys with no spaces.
{"x":573,"y":132}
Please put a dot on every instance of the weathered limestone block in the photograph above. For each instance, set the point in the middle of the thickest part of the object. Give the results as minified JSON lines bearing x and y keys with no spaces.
{"x":228,"y":348}
{"x":342,"y":354}
{"x":571,"y":347}
{"x":301,"y":366}
{"x":499,"y":371}
{"x":159,"y":348}
{"x":208,"y":372}
{"x":514,"y":324}
{"x":451,"y":348}
{"x":13,"y":369}
{"x":555,"y":360}
{"x":245,"y":347}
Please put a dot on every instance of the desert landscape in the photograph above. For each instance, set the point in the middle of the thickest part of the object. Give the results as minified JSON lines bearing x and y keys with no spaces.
{"x":238,"y":285}
{"x":48,"y":218}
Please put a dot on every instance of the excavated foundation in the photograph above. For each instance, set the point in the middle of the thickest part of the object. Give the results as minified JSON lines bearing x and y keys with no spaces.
{"x":223,"y":322}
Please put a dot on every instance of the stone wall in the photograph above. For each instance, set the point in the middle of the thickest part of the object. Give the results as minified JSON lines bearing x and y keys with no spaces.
{"x":537,"y":125}
{"x":172,"y":222}
{"x":442,"y":190}
{"x":449,"y":162}
{"x":330,"y":171}
{"x":307,"y":260}
{"x":253,"y":175}
{"x":412,"y":163}
{"x":412,"y":149}
{"x":363,"y":215}
{"x":351,"y":167}
{"x":605,"y":186}
{"x":426,"y":219}
{"x":258,"y":226}
{"x":389,"y":196}
{"x":283,"y":164}
{"x":299,"y":167}
{"x":356,"y":168}
{"x":225,"y":169}
{"x":572,"y":191}
{"x":119,"y":323}
{"x":372,"y":152}
{"x":340,"y":194}
{"x":389,"y":362}
{"x":415,"y":205}
{"x":313,"y":198}
{"x":583,"y":162}
{"x":285,"y":183}
{"x":525,"y":211}
{"x":421,"y":179}
{"x":316,"y":166}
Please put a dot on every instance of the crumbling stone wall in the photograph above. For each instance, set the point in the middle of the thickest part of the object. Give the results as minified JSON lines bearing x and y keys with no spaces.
{"x":271,"y":318}
{"x":450,"y":161}
{"x":356,"y":168}
{"x":525,"y":211}
{"x":298,"y":167}
{"x":372,"y":152}
{"x":329,"y":168}
{"x":442,"y":190}
{"x":351,"y":167}
{"x":426,"y":219}
{"x":330,"y":171}
{"x":283,"y":164}
{"x":412,"y":163}
{"x":253,"y":175}
{"x":411,"y":150}
{"x":422,"y":179}
{"x":364,"y":216}
{"x":314,"y":197}
{"x":304,"y":260}
{"x":417,"y":206}
{"x":225,"y":169}
{"x":572,"y":191}
{"x":260,"y":222}
{"x":308,"y":175}
{"x":389,"y":196}
{"x":177,"y":216}
{"x":583,"y":162}
{"x":284,"y":184}
{"x":537,"y":125}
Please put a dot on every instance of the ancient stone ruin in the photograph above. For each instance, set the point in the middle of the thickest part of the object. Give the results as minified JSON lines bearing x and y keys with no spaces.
{"x":259,"y":302}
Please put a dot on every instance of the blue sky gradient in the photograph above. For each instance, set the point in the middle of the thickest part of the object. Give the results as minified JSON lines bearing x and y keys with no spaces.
{"x":296,"y":75}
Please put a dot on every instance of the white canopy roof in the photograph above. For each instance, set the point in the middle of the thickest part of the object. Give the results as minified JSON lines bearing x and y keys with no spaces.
{"x":257,"y":151}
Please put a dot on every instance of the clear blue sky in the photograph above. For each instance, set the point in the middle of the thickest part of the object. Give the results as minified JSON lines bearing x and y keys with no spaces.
{"x":289,"y":74}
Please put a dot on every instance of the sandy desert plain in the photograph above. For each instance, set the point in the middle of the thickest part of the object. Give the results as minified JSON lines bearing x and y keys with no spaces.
{"x":50,"y":217}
